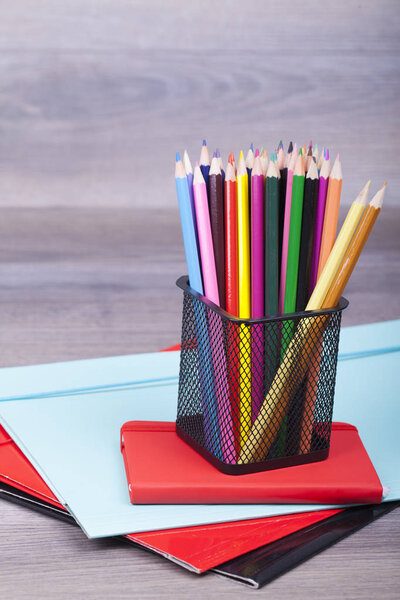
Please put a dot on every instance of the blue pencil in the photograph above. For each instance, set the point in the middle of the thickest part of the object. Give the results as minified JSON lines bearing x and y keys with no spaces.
{"x":184,"y":190}
{"x":188,"y":226}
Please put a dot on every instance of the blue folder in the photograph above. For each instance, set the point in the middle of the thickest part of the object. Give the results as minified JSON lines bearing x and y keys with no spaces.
{"x":66,"y":418}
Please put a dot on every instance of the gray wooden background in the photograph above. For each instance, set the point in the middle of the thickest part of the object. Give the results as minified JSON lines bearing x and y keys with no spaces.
{"x":95,"y":98}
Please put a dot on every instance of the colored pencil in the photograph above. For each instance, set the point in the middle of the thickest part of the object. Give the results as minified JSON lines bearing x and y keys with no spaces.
{"x":188,"y":222}
{"x":264,"y":162}
{"x":205,"y":163}
{"x":215,"y":328}
{"x":307,"y":234}
{"x":308,"y":160}
{"x":221,"y":165}
{"x":216,"y":204}
{"x":205,"y":237}
{"x":275,"y":404}
{"x":331,"y":214}
{"x":257,"y":240}
{"x":286,"y":226}
{"x":257,"y":284}
{"x":296,"y":210}
{"x":280,"y":158}
{"x":249,"y":167}
{"x":319,"y":221}
{"x":189,"y":230}
{"x":272,"y":203}
{"x":232,"y":294}
{"x":189,"y":174}
{"x":244,"y":297}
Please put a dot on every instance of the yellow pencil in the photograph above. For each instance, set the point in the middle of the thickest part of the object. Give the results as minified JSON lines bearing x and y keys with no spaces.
{"x":244,"y":298}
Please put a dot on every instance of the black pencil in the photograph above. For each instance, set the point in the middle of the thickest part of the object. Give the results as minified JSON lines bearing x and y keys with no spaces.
{"x":217,"y":218}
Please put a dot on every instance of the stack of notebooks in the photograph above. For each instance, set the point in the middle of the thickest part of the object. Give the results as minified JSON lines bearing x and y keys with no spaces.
{"x":64,"y":426}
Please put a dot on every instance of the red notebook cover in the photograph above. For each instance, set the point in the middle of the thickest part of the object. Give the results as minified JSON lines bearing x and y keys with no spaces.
{"x":162,"y":469}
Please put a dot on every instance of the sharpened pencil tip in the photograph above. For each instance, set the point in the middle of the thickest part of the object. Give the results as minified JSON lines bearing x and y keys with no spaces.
{"x":217,"y":154}
{"x":252,"y":147}
{"x":240,"y":155}
{"x":204,"y":143}
{"x":326,"y":154}
{"x":231,"y":158}
{"x":178,"y":158}
{"x":257,"y":152}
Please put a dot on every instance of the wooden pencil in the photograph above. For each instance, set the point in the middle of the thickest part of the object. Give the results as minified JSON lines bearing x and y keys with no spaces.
{"x":286,"y":227}
{"x":205,"y":237}
{"x":272,"y":201}
{"x":249,"y":167}
{"x":244,"y":297}
{"x":257,"y":240}
{"x":307,"y":234}
{"x":296,"y":211}
{"x":257,"y":285}
{"x":189,"y":228}
{"x":205,"y":163}
{"x":264,"y":162}
{"x":331,"y":214}
{"x":216,"y":204}
{"x":319,"y":221}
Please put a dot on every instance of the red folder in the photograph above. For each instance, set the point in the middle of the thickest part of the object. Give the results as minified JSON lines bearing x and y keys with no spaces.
{"x":198,"y":548}
{"x":162,"y":469}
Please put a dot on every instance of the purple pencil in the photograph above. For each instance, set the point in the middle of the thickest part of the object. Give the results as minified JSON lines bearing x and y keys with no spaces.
{"x":257,"y":283}
{"x":319,"y":221}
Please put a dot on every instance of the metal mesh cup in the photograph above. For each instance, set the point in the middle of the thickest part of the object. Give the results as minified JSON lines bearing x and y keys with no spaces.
{"x":256,"y":394}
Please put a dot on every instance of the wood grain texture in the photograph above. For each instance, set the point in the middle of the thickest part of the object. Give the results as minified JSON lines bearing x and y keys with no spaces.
{"x":90,"y":89}
{"x":90,"y":244}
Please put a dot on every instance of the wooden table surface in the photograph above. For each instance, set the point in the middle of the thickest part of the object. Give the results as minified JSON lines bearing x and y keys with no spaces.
{"x":95,"y":97}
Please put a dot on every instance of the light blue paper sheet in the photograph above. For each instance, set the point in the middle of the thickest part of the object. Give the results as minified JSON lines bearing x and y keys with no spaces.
{"x":72,"y":437}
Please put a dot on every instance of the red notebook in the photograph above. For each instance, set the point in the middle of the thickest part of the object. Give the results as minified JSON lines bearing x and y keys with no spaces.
{"x":198,"y":548}
{"x":162,"y":469}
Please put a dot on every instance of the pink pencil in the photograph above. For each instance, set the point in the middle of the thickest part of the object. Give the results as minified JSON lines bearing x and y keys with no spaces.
{"x":286,"y":226}
{"x":205,"y":236}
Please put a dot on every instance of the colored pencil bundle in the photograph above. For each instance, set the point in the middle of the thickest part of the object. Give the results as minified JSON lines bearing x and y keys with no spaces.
{"x":260,"y":242}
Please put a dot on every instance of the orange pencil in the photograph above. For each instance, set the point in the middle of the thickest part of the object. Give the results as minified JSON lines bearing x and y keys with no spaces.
{"x":331,"y":214}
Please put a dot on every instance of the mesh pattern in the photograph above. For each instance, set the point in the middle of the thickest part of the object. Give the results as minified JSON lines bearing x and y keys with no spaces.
{"x":256,"y":395}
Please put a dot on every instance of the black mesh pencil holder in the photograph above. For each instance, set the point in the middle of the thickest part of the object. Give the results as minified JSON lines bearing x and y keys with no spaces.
{"x":256,"y":394}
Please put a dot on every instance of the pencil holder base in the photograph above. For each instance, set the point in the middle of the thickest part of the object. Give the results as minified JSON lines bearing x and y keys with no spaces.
{"x":268,"y":465}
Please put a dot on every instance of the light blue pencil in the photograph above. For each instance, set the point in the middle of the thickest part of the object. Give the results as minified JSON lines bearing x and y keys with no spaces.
{"x":190,"y":242}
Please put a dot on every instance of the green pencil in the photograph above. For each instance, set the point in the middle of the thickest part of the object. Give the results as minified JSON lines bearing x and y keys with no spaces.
{"x":289,"y":305}
{"x":296,"y":213}
{"x":271,"y":248}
